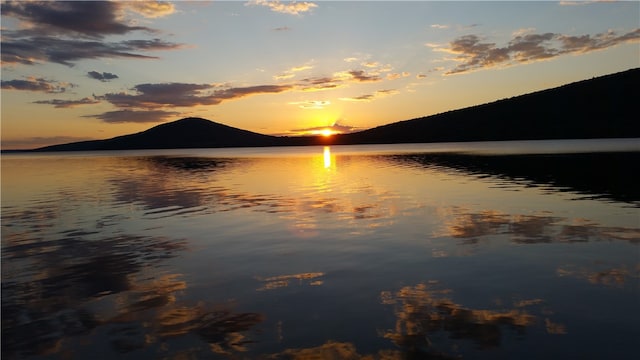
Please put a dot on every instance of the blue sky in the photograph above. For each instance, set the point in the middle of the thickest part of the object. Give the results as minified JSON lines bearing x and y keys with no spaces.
{"x":89,"y":70}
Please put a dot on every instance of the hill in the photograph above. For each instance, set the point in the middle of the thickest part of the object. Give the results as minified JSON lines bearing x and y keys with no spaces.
{"x":185,"y":133}
{"x":603,"y":107}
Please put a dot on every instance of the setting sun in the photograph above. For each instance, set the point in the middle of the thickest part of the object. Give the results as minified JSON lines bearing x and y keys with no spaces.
{"x":326,"y":132}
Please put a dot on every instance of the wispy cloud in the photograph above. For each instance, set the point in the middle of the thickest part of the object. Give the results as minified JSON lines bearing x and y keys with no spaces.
{"x":58,"y":103}
{"x":104,"y":76}
{"x":292,"y":7}
{"x":320,"y":83}
{"x":239,"y":92}
{"x":371,"y":97}
{"x":457,"y":27}
{"x":360,"y":76}
{"x":582,"y":2}
{"x":289,"y":73}
{"x":134,"y":116}
{"x":37,"y":84}
{"x":393,"y":76}
{"x":311,"y":104}
{"x":338,"y":79}
{"x":150,"y":9}
{"x":365,"y":98}
{"x":67,"y":51}
{"x":473,"y":53}
{"x":336,"y":128}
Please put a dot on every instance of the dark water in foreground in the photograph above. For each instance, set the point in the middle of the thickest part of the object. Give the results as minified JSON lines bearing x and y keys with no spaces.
{"x":517,"y":250}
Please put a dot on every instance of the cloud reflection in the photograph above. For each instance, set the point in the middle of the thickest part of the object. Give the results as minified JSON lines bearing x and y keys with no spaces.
{"x":280,"y":281}
{"x":423,"y":312}
{"x":472,"y":226}
{"x":66,"y":291}
{"x":52,"y":298}
{"x":602,"y":275}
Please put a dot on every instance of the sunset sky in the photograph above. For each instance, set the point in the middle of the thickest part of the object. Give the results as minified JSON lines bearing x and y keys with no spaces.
{"x":75,"y":71}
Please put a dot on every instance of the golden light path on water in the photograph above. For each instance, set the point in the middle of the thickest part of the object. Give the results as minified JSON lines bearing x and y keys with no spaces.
{"x":327,"y":157}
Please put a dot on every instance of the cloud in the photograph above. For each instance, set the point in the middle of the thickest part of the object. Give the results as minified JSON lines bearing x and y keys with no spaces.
{"x":160,"y":95}
{"x":37,"y":84}
{"x":292,"y":8}
{"x":439,"y":26}
{"x":133,"y":116}
{"x":473,"y":54}
{"x":93,"y":19}
{"x":35,"y":50}
{"x":282,"y":28}
{"x":338,"y":79}
{"x":67,"y":103}
{"x":239,"y":92}
{"x":319,"y":83}
{"x":150,"y":96}
{"x":582,"y":2}
{"x":150,"y":9}
{"x":287,"y":74}
{"x":105,"y":76}
{"x":64,"y":32}
{"x":394,"y":76}
{"x":365,"y":98}
{"x":523,"y":31}
{"x":311,"y":104}
{"x":360,"y":76}
{"x":284,"y":76}
{"x":371,"y":97}
{"x":336,"y":128}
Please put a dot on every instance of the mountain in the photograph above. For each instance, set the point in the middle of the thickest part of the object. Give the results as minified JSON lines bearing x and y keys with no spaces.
{"x":185,"y":133}
{"x":602,"y":107}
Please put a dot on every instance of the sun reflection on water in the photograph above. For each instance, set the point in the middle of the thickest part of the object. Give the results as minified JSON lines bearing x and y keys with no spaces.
{"x":327,"y":157}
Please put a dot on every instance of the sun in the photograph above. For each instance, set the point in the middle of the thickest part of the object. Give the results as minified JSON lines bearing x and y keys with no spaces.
{"x":326,"y":132}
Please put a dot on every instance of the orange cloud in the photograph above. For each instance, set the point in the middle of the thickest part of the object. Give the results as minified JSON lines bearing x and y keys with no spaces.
{"x":292,"y":8}
{"x":150,"y":9}
{"x":370,"y":97}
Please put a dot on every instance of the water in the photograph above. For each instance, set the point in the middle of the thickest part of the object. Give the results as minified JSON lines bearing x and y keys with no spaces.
{"x":480,"y":250}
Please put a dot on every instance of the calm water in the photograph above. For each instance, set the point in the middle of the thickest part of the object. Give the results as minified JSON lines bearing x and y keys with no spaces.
{"x":509,"y":250}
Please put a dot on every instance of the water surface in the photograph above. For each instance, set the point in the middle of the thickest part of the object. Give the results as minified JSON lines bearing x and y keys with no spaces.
{"x":476,"y":250}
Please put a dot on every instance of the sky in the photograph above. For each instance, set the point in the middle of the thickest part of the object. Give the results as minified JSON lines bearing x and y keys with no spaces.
{"x":74,"y":71}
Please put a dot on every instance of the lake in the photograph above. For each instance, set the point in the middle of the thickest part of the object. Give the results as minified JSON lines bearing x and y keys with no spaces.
{"x":501,"y":250}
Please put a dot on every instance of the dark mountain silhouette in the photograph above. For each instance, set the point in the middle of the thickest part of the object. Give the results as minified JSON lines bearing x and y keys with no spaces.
{"x":185,"y":133}
{"x":603,"y":107}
